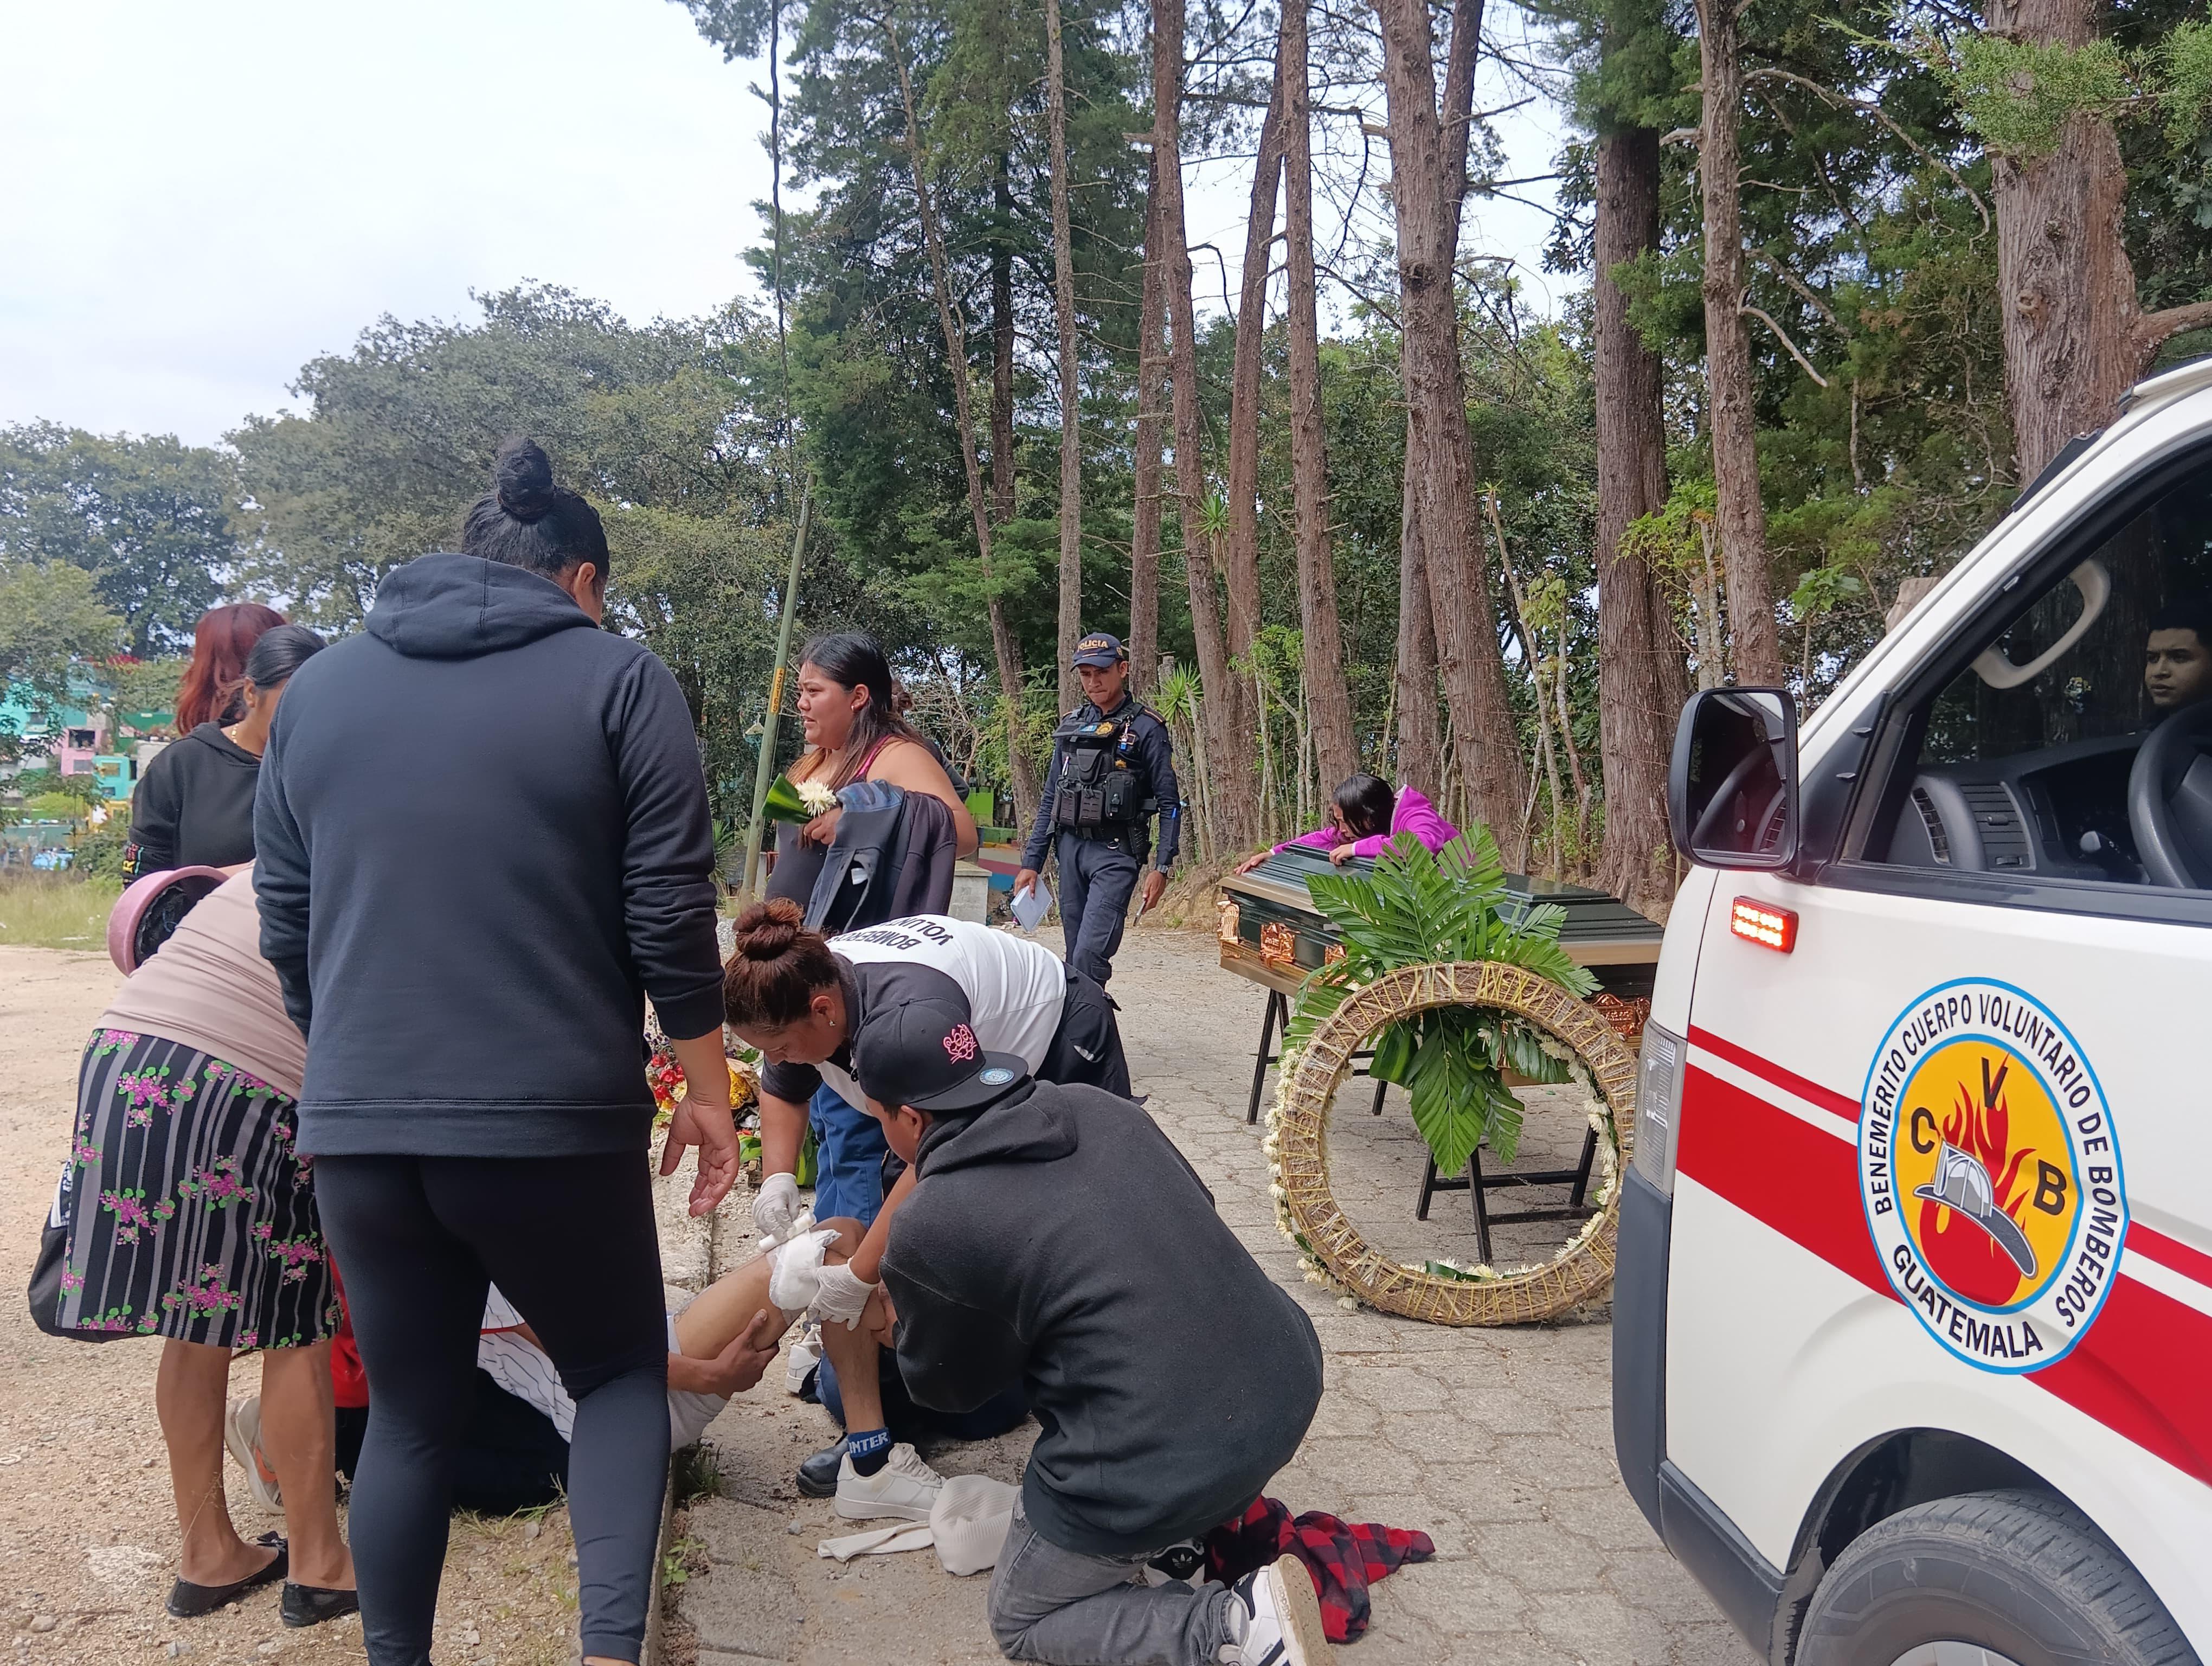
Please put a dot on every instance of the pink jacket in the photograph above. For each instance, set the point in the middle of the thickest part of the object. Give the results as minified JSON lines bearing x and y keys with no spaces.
{"x":1413,"y":814}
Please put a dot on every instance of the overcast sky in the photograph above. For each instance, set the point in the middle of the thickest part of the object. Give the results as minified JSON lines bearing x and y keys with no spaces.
{"x":201,"y":197}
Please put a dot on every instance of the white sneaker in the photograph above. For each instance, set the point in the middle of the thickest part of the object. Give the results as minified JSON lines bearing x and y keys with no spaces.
{"x":905,"y":1487}
{"x":804,"y":1355}
{"x":1281,"y":1617}
{"x":241,"y":1436}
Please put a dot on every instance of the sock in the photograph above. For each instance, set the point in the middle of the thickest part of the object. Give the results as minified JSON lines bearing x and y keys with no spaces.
{"x":869,"y":1448}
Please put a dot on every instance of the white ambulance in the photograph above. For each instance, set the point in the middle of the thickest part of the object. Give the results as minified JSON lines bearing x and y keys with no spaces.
{"x":1913,"y":1321}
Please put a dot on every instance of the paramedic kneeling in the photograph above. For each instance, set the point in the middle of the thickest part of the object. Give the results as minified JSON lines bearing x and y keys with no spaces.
{"x":1056,"y":1238}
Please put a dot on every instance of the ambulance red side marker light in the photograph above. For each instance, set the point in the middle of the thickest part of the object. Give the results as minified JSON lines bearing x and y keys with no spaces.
{"x":1764,"y":924}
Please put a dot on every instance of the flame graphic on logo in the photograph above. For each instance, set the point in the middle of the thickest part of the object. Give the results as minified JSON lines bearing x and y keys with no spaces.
{"x":1957,"y":1251}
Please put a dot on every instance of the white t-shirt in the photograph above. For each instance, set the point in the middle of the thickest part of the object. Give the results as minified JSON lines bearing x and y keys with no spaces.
{"x":524,"y":1370}
{"x":1011,"y":989}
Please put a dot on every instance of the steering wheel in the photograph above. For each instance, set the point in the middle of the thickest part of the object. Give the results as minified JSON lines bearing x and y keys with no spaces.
{"x":1739,"y":780}
{"x":2170,"y":800}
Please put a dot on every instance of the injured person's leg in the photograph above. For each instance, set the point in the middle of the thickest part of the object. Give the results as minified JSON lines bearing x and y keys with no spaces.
{"x":719,"y":1314}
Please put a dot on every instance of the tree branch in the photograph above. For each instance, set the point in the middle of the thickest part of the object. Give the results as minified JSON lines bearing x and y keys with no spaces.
{"x":2171,"y":321}
{"x":1868,"y":106}
{"x":1781,"y":336}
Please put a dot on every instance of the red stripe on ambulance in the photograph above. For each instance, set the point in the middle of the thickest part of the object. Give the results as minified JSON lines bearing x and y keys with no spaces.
{"x":2144,"y":1370}
{"x":1767,"y":1070}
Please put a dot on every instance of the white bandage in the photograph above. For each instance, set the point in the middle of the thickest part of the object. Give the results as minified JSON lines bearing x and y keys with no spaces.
{"x":842,"y":1296}
{"x":795,"y":1270}
{"x":776,"y":1208}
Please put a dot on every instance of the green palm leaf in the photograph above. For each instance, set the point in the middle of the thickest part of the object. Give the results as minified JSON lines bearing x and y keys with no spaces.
{"x":1417,"y":908}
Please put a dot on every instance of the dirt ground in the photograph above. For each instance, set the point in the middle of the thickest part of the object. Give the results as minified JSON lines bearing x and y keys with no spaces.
{"x":87,"y":1531}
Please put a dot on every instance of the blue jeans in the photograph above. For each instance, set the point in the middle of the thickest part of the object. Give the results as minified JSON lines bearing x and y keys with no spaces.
{"x":1063,"y":1606}
{"x":909,"y":1422}
{"x":848,"y":1151}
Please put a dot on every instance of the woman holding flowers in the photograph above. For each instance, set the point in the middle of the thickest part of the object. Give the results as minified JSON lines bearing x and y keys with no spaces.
{"x":853,"y":732}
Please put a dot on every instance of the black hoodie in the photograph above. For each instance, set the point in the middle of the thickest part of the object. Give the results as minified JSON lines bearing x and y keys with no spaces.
{"x":1059,"y":1240}
{"x":482,"y":836}
{"x":194,"y":806}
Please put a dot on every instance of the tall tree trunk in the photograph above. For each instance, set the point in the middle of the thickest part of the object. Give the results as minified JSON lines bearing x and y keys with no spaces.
{"x":1640,"y":677}
{"x":1328,"y":696}
{"x":1418,"y":759}
{"x":1228,"y":720}
{"x":1004,"y":645}
{"x":1242,"y":548}
{"x":1002,"y":343}
{"x":1741,"y":514}
{"x":1428,"y":180}
{"x":1063,"y":300}
{"x":2076,"y":338}
{"x":1152,"y":395}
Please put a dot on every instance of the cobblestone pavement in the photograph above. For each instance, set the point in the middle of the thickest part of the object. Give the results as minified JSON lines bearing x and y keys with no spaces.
{"x":1498,"y":1442}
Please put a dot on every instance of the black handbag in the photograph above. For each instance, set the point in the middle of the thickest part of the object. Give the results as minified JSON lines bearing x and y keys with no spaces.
{"x":45,"y":1291}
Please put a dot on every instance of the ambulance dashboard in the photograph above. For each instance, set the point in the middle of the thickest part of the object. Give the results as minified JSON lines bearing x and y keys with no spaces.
{"x":2061,"y":811}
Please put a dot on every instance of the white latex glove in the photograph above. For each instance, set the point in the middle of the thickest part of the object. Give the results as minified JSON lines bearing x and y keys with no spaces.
{"x":841,"y":1295}
{"x":795,"y":1272}
{"x":776,"y":1208}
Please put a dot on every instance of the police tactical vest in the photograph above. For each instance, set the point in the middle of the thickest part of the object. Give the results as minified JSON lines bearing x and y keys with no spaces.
{"x":1098,"y":790}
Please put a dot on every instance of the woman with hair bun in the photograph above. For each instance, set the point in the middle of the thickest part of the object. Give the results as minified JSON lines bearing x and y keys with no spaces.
{"x":194,"y":806}
{"x":801,"y":999}
{"x":483,"y":843}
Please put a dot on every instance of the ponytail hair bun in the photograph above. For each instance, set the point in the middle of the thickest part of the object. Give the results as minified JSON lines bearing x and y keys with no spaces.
{"x":522,"y":480}
{"x":776,"y":967}
{"x":525,"y":521}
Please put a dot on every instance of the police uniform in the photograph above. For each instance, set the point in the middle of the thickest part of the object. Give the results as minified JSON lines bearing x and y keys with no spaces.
{"x":1111,"y":773}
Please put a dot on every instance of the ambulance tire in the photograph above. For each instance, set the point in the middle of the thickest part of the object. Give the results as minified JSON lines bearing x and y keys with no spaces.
{"x":2021,"y":1574}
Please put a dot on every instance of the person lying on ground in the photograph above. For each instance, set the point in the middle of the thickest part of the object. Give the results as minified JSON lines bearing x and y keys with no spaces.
{"x":514,"y":1454}
{"x":190,"y":1217}
{"x":1364,"y":818}
{"x":1056,"y":1237}
{"x":801,"y":999}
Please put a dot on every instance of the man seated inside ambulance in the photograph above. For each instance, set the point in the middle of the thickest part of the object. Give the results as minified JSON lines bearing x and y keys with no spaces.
{"x":2177,"y":655}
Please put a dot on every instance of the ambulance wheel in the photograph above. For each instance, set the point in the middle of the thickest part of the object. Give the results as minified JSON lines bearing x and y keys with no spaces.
{"x":2007,"y":1576}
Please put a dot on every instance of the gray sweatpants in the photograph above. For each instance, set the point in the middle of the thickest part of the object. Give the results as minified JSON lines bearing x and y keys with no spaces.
{"x":1070,"y":1609}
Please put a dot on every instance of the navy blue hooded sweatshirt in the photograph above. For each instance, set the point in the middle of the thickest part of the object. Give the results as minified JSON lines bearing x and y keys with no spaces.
{"x":482,"y":838}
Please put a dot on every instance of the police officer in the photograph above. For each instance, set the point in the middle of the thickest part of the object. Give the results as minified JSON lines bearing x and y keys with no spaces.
{"x":1112,"y":768}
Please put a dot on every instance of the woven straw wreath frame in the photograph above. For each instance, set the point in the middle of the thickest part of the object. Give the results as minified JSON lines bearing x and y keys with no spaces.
{"x":1301,"y":1131}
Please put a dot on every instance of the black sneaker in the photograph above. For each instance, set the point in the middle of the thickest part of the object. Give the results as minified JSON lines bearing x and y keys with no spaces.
{"x":817,"y":1476}
{"x":310,"y":1605}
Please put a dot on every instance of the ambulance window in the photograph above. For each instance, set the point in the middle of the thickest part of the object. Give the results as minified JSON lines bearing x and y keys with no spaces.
{"x":2023,"y":757}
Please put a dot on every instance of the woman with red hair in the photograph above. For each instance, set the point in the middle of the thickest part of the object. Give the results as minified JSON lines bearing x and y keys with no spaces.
{"x":194,"y":806}
{"x":221,"y":641}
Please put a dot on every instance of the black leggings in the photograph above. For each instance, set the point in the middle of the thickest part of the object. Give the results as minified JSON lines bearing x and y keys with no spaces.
{"x":570,"y":1241}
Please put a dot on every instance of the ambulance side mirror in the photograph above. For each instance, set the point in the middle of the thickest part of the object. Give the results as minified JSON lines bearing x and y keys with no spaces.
{"x":1732,"y":791}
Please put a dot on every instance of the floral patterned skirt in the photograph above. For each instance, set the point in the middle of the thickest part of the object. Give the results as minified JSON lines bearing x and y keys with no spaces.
{"x":190,"y":1215}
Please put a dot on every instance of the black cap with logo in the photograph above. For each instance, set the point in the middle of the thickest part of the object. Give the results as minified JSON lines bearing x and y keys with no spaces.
{"x":923,"y":1054}
{"x":1100,"y":649}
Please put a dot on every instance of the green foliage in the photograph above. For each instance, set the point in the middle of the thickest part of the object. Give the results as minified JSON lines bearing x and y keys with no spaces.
{"x":53,"y":807}
{"x":1421,"y":909}
{"x":99,"y":850}
{"x":83,"y":787}
{"x":52,"y":621}
{"x":147,"y":518}
{"x":2019,"y":96}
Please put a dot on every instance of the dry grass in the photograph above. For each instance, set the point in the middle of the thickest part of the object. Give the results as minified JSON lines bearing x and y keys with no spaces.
{"x":54,"y":911}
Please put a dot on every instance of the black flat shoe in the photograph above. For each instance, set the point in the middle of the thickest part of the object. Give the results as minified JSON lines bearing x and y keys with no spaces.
{"x":189,"y":1602}
{"x":817,"y":1476}
{"x":310,"y":1605}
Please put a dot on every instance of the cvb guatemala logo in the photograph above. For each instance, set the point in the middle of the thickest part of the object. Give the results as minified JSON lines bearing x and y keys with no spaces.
{"x":1991,"y":1177}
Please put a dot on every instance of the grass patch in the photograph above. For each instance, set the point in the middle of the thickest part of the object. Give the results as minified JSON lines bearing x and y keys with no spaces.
{"x":56,"y":910}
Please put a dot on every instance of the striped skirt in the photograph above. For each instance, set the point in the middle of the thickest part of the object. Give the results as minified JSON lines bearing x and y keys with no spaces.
{"x":189,"y":1212}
